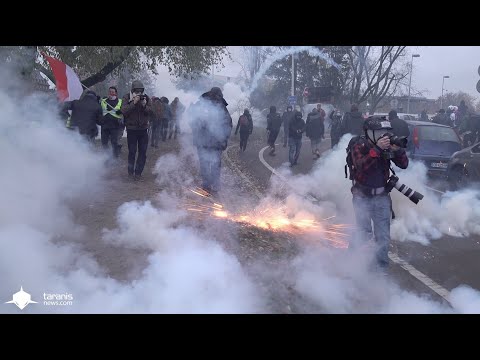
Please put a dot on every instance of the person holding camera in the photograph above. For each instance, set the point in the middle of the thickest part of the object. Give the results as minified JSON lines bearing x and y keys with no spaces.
{"x":371,"y":157}
{"x":137,"y":114}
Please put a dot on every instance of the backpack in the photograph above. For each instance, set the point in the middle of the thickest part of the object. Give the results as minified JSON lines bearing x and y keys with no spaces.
{"x":243,"y":120}
{"x":349,"y":159}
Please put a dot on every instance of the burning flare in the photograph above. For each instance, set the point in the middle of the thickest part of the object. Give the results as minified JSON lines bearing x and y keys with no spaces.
{"x":274,"y":218}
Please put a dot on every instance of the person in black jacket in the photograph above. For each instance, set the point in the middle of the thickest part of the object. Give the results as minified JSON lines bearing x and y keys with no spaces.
{"x":274,"y":122}
{"x":399,"y":126}
{"x":353,"y":121}
{"x":86,"y":114}
{"x":286,"y":117}
{"x":211,"y":125}
{"x":245,"y":124}
{"x":315,"y":130}
{"x":295,"y":130}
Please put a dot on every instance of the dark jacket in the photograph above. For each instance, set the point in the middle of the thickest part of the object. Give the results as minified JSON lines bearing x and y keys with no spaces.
{"x":353,"y":123}
{"x":109,"y":121}
{"x":136,"y":117}
{"x":372,"y":169}
{"x":286,"y":118}
{"x":399,"y":126}
{"x":211,"y":122}
{"x":245,"y":128}
{"x":296,"y":127}
{"x":442,"y":119}
{"x":315,"y":127}
{"x":177,"y":109}
{"x":86,"y":114}
{"x":274,"y":121}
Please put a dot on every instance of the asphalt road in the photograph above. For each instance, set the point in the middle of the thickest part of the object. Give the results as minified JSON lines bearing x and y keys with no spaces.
{"x":432,"y":269}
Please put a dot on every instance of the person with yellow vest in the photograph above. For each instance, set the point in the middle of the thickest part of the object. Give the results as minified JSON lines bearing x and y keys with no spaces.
{"x":112,"y":122}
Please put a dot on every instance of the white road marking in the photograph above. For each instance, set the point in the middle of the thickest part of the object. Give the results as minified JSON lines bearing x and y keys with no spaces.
{"x":424,"y":279}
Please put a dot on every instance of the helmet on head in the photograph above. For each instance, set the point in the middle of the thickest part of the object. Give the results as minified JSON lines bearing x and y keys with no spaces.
{"x":137,"y":84}
{"x":377,"y":123}
{"x":375,"y":127}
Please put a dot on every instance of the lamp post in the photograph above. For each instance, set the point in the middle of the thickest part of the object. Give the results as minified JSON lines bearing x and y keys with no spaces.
{"x":443,"y":81}
{"x":410,"y":82}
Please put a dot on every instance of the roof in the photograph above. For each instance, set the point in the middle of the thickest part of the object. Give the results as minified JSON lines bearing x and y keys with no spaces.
{"x":424,"y":123}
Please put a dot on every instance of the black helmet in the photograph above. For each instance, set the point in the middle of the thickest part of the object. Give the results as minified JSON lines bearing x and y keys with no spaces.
{"x":377,"y":123}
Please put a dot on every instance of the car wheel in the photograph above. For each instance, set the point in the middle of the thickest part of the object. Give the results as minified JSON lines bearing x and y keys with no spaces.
{"x":458,"y":178}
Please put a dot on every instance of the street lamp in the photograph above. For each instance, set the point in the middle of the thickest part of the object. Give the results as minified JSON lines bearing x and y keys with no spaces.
{"x":443,"y":81}
{"x":410,"y":83}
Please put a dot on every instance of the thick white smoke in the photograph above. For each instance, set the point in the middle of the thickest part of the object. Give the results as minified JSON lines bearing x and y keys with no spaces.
{"x":49,"y":169}
{"x":342,"y":281}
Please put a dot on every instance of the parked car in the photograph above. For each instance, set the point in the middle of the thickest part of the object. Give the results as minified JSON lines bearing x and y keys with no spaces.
{"x":464,"y":167}
{"x":433,"y":144}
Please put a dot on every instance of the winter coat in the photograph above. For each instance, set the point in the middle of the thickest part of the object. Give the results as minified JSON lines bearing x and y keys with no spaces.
{"x":399,"y":126}
{"x":274,"y":121}
{"x":315,"y":127}
{"x":296,"y":127}
{"x":353,"y":123}
{"x":86,"y":114}
{"x":211,"y":122}
{"x":136,"y":116}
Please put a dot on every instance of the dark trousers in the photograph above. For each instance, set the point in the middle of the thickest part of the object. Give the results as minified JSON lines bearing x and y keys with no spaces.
{"x":112,"y":135}
{"x":155,"y":133}
{"x":210,"y":164}
{"x":272,"y":137}
{"x":243,"y":140}
{"x":137,"y":139}
{"x":164,"y":128}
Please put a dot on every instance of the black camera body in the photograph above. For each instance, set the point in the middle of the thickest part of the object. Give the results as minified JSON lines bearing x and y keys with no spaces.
{"x":414,"y":196}
{"x":400,"y":141}
{"x":142,"y":96}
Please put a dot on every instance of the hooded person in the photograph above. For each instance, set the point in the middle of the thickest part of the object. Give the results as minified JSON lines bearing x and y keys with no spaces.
{"x":399,"y":126}
{"x":86,"y":114}
{"x":286,"y":117}
{"x":353,"y":121}
{"x":177,"y":110}
{"x":137,"y":114}
{"x":274,"y":122}
{"x":211,"y":125}
{"x":295,"y":131}
{"x":315,"y":130}
{"x":245,"y":125}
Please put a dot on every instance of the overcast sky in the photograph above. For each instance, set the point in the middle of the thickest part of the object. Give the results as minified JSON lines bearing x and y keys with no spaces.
{"x":459,"y":62}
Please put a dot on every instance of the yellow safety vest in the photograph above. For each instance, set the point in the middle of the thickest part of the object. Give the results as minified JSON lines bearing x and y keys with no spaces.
{"x":108,"y":110}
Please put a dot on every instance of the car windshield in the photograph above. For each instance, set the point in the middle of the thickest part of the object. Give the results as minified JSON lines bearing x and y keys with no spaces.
{"x":438,"y":133}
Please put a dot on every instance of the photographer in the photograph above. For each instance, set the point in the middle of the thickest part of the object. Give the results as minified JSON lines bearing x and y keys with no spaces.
{"x":137,"y":113}
{"x":371,"y":157}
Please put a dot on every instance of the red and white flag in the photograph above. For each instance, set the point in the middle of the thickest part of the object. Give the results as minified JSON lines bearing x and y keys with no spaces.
{"x":68,"y":84}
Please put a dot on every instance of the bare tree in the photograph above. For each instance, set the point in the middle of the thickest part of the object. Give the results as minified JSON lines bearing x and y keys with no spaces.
{"x":374,"y":72}
{"x":253,"y":58}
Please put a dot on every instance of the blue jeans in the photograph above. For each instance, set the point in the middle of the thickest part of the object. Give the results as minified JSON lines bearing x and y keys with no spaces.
{"x":378,"y":209}
{"x":210,"y":164}
{"x":294,"y":149}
